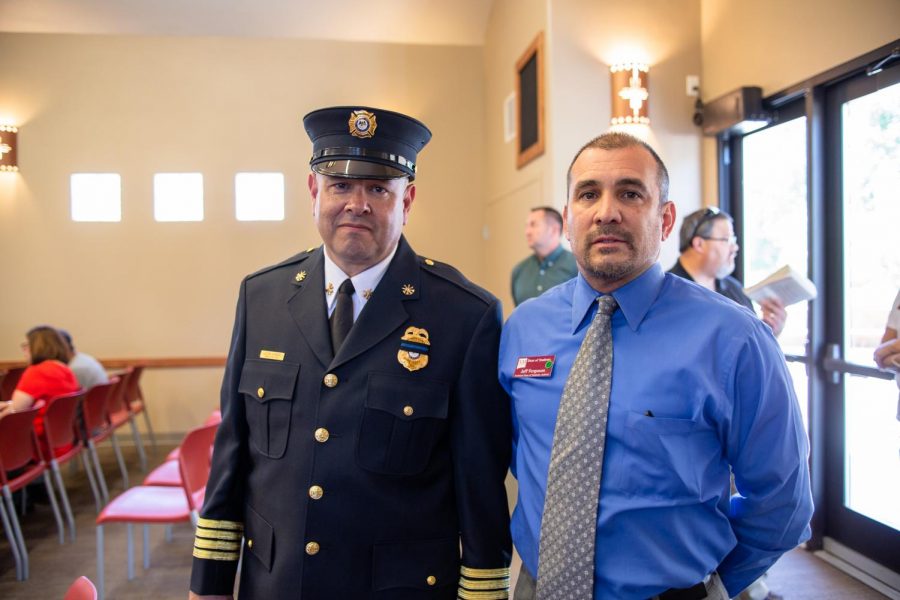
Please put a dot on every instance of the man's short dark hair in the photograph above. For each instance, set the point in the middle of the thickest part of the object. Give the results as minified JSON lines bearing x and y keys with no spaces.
{"x":551,"y":214}
{"x":700,"y":223}
{"x":616,"y":140}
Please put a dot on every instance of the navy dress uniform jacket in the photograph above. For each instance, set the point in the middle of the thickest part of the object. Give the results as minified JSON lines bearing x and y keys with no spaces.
{"x":351,"y":476}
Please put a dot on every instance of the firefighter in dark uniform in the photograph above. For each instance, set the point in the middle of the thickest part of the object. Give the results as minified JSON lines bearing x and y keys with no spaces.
{"x":369,"y":463}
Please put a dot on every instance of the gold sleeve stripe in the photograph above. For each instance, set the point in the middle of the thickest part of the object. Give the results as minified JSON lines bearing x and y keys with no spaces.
{"x":210,"y":555}
{"x":216,"y":545}
{"x":484,"y":584}
{"x":467,"y":595}
{"x":214,"y":524}
{"x":215,"y":534}
{"x":483,"y":573}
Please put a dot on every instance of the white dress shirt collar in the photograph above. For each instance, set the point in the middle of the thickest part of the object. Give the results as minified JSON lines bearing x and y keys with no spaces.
{"x":364,"y":283}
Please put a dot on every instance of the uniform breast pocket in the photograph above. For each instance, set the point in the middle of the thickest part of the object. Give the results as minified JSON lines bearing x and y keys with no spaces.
{"x":268,"y":390}
{"x":667,"y":457}
{"x":403,"y":420}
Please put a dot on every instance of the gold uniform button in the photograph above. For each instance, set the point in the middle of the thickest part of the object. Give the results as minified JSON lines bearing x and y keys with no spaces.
{"x":321,"y":435}
{"x":430,"y":263}
{"x":431,"y":580}
{"x":260,"y":392}
{"x":249,"y":543}
{"x":316,"y":492}
{"x":408,"y":411}
{"x":330,"y":380}
{"x":312,"y":548}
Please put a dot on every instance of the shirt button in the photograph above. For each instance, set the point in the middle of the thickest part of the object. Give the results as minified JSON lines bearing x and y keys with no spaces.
{"x":540,"y":288}
{"x":330,"y":380}
{"x":321,"y":435}
{"x":312,"y":548}
{"x":431,"y":580}
{"x":550,"y":264}
{"x":542,"y":271}
{"x":316,"y":492}
{"x":260,"y":392}
{"x":408,"y":411}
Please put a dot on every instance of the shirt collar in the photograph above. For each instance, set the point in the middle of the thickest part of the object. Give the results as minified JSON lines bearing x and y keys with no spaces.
{"x":634,"y":298}
{"x":367,"y":280}
{"x":552,"y":256}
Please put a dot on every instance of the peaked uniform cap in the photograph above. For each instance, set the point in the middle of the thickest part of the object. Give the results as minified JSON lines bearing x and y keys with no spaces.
{"x":362,"y":142}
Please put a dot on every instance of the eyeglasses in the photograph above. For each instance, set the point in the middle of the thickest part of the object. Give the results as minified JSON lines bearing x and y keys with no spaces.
{"x":732,"y":240}
{"x":709,"y":214}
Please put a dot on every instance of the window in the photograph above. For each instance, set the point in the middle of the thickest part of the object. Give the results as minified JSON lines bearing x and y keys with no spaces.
{"x":96,"y":197}
{"x":259,"y":196}
{"x":178,"y":196}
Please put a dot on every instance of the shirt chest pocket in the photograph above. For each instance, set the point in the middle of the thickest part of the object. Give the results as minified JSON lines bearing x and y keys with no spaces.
{"x":402,"y":422}
{"x":268,"y":390}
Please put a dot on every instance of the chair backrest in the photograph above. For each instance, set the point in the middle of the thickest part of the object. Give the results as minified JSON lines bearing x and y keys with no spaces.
{"x":18,"y":445}
{"x":117,"y":400}
{"x":59,"y":420}
{"x":214,"y":418}
{"x":10,"y":381}
{"x":193,"y":462}
{"x":81,"y":589}
{"x":95,"y":405}
{"x":133,"y":387}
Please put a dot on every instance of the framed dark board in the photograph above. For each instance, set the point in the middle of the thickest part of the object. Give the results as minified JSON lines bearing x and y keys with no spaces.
{"x":530,"y":103}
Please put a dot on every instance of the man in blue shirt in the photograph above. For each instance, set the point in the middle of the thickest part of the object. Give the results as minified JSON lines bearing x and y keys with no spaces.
{"x":699,"y":390}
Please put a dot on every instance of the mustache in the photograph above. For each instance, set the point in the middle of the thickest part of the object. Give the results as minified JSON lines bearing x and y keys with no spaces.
{"x":610,"y":231}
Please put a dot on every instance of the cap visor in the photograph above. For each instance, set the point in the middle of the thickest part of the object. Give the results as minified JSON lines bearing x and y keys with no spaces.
{"x":358,"y":169}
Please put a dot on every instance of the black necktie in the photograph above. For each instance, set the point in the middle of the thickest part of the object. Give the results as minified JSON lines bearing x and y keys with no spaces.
{"x":342,"y":318}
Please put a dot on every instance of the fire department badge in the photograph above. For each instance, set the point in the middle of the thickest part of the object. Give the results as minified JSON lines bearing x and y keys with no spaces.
{"x":413,"y":353}
{"x":362,"y":124}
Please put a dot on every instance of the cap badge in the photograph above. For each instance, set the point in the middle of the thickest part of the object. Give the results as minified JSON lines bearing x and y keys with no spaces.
{"x":413,"y":353}
{"x":362,"y":124}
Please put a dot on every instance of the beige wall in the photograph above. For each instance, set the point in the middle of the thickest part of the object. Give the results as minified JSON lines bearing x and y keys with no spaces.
{"x":774,"y":45}
{"x":140,"y":105}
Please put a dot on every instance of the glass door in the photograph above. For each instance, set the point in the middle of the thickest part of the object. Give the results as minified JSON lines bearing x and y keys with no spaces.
{"x":863,"y":460}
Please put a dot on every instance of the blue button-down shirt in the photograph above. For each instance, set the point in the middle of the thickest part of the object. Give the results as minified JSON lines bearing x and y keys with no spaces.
{"x":699,"y":389}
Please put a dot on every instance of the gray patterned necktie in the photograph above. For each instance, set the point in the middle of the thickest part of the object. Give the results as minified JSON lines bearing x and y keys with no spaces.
{"x":569,"y":523}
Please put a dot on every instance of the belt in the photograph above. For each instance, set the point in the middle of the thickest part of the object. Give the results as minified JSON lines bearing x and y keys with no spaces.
{"x":695,"y":592}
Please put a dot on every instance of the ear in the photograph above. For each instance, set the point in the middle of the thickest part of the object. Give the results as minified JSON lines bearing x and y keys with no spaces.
{"x":566,"y":222}
{"x":409,"y":196}
{"x":668,"y":219}
{"x":313,"y":184}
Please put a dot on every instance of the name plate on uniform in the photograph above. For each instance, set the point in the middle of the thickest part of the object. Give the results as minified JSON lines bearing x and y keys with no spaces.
{"x":535,"y":366}
{"x":271,"y":355}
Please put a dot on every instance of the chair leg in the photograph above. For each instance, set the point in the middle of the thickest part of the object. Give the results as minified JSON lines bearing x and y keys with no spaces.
{"x":17,"y":531}
{"x":13,"y":543}
{"x":130,"y":529}
{"x":100,"y":581}
{"x":101,"y":478}
{"x":92,"y":480}
{"x":67,"y":508}
{"x":120,"y":460}
{"x":139,"y":444}
{"x":146,"y":547}
{"x":54,"y":505}
{"x":169,"y":530}
{"x":23,"y":501}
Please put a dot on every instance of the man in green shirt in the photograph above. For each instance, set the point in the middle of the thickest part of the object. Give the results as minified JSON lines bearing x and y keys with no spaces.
{"x":550,"y":265}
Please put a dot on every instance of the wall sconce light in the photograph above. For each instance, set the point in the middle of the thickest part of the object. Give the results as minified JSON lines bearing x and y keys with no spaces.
{"x":8,"y":145}
{"x":629,"y":94}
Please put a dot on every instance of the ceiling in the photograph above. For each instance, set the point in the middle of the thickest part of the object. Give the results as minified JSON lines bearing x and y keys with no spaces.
{"x":437,"y":22}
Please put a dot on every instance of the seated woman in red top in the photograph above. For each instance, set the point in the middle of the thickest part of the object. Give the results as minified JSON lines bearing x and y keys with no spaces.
{"x":47,"y":376}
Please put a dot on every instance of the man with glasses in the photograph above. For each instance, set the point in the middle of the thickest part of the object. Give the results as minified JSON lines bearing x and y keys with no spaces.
{"x":708,"y":249}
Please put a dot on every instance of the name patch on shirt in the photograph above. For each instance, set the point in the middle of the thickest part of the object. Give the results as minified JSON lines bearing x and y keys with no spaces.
{"x":535,"y":366}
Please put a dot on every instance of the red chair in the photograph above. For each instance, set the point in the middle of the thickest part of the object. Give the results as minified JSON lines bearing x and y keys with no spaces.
{"x":81,"y":589}
{"x":118,"y":412}
{"x":20,"y":452}
{"x":160,"y":504}
{"x":134,"y":396}
{"x":98,"y":429}
{"x":10,"y":381}
{"x":63,"y":442}
{"x":214,"y":418}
